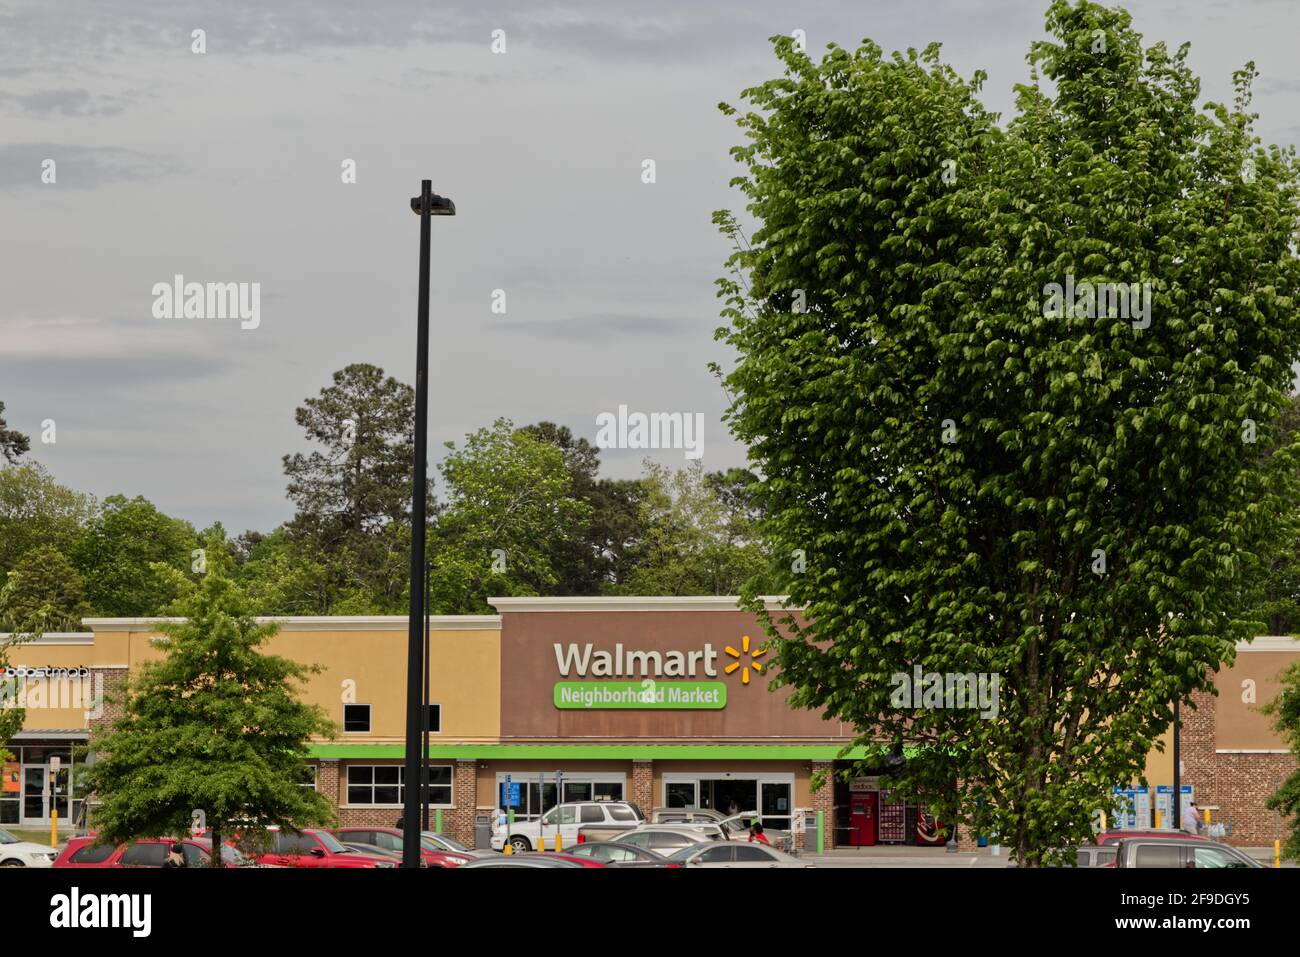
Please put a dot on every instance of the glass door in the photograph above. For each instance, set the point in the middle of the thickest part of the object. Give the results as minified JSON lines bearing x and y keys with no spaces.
{"x":680,"y":794}
{"x":775,"y":807}
{"x":35,"y":799}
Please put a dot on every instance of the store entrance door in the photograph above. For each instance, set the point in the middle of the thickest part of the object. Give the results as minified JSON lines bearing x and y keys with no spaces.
{"x":36,"y":798}
{"x":864,"y":819}
{"x":729,"y":797}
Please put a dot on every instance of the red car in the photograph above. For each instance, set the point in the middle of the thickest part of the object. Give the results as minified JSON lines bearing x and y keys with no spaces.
{"x":584,"y":861}
{"x":390,"y":839}
{"x":84,"y":852}
{"x":312,"y":848}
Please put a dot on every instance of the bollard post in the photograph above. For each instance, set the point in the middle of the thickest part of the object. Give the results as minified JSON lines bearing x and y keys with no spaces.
{"x":821,"y":832}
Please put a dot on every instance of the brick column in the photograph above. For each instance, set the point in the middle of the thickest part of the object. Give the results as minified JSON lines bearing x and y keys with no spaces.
{"x":823,"y":799}
{"x":327,"y":782}
{"x":643,"y":786}
{"x":107,"y":691}
{"x":458,"y":822}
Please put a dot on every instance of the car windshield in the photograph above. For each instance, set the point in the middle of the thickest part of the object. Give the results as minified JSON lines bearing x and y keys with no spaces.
{"x":682,"y":854}
{"x":438,"y":842}
{"x":331,"y":842}
{"x":7,"y":838}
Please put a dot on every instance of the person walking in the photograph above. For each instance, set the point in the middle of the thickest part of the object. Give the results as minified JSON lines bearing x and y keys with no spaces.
{"x":1192,"y":822}
{"x":756,"y":835}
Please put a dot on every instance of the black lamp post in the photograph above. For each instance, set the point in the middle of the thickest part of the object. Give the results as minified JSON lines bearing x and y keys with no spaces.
{"x":425,"y":205}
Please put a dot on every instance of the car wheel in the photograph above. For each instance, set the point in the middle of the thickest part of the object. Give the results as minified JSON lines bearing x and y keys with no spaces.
{"x":12,"y":864}
{"x":520,"y":844}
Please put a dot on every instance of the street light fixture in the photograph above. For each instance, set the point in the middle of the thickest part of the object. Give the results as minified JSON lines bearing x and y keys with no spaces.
{"x":426,"y":205}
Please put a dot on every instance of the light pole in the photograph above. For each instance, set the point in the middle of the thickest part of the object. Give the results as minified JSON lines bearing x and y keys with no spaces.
{"x":426,"y":205}
{"x":1177,"y":801}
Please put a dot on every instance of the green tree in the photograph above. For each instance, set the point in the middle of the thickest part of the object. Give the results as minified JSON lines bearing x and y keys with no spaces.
{"x":36,"y":510}
{"x":1285,"y":711}
{"x":12,"y":442}
{"x":598,"y":553}
{"x":347,"y":547}
{"x":43,"y":592}
{"x":982,"y":482}
{"x":215,"y":726}
{"x":508,"y":509}
{"x":700,"y":537}
{"x":117,"y":553}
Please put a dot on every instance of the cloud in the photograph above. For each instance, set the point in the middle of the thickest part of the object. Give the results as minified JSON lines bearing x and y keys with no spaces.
{"x":65,"y":102}
{"x":598,"y":328}
{"x":79,"y":167}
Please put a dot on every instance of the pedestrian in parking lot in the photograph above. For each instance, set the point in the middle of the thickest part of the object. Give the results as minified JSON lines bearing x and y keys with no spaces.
{"x":1193,"y":823}
{"x":756,"y":834}
{"x":174,"y":856}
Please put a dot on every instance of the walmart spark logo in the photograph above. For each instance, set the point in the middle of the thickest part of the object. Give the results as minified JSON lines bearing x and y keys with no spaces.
{"x":738,"y":655}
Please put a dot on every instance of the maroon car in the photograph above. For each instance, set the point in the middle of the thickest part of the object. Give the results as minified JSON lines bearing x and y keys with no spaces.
{"x":390,"y":839}
{"x":84,"y":852}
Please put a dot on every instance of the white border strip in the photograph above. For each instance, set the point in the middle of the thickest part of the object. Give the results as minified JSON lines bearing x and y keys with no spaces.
{"x":1270,"y":643}
{"x":50,"y":638}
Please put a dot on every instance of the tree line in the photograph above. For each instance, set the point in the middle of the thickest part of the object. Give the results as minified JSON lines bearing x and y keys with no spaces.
{"x":512,"y":511}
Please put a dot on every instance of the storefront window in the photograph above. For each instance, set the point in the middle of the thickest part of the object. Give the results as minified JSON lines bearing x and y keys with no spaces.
{"x":680,"y":794}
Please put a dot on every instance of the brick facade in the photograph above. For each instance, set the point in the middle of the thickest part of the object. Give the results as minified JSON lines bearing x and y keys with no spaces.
{"x":113,"y":685}
{"x":823,"y":799}
{"x":1236,"y":784}
{"x":643,"y":786}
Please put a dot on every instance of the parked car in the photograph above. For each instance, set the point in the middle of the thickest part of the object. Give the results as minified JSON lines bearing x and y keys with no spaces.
{"x":523,"y":860}
{"x":85,"y":852}
{"x":686,"y":815}
{"x":16,"y":853}
{"x":1175,"y":852}
{"x":1087,"y":856}
{"x":732,"y":854}
{"x":389,"y":839}
{"x":736,"y":828}
{"x":667,"y":838}
{"x":603,"y":818}
{"x":616,"y":854}
{"x":441,"y":842}
{"x":313,"y":848}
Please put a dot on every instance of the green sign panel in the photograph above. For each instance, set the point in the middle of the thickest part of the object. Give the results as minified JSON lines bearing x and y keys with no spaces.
{"x":632,"y":695}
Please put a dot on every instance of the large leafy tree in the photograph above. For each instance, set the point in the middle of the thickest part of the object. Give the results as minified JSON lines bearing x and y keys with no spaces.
{"x":119,"y":549}
{"x":36,"y":510}
{"x":216,"y":726}
{"x":12,"y":442}
{"x":508,"y":510}
{"x":600,"y":553}
{"x":43,"y":592}
{"x":346,"y":548}
{"x":700,"y":535}
{"x":1285,"y":711}
{"x":980,"y":483}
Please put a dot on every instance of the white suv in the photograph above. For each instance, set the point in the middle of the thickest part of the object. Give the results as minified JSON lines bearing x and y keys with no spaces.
{"x":564,"y":819}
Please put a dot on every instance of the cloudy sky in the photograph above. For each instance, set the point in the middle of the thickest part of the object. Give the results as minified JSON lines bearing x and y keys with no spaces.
{"x":226,"y":167}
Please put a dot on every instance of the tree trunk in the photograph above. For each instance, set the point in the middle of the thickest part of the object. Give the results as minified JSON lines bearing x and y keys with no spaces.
{"x":215,"y":834}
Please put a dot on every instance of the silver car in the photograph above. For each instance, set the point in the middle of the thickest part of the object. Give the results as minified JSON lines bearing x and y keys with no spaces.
{"x":667,"y":838}
{"x":734,"y":854}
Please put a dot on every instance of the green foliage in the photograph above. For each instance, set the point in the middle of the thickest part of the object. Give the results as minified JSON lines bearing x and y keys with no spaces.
{"x":36,"y":510}
{"x":700,"y":534}
{"x":1285,"y":711}
{"x":12,"y":442}
{"x":347,"y":549}
{"x":925,"y":320}
{"x":600,"y":552}
{"x":43,"y":592}
{"x":508,"y":510}
{"x":215,"y":726}
{"x":117,"y":553}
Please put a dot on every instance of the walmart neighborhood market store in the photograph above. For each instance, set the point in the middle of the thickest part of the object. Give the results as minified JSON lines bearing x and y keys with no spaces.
{"x":659,"y":701}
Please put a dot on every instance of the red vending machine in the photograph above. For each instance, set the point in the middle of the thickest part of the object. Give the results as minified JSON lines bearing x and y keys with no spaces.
{"x":863,"y":818}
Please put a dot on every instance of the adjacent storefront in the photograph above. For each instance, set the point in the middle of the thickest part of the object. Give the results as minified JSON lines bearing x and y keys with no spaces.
{"x":661,"y":701}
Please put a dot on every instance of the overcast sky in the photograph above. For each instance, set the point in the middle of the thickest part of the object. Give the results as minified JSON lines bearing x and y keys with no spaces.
{"x":226,"y":167}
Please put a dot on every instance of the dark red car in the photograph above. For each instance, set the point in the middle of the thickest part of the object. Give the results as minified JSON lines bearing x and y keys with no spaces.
{"x":390,"y":839}
{"x":310,"y":848}
{"x":84,"y":852}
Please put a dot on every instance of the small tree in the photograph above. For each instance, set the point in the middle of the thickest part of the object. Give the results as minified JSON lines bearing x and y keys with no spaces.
{"x":214,"y":727}
{"x":43,"y":592}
